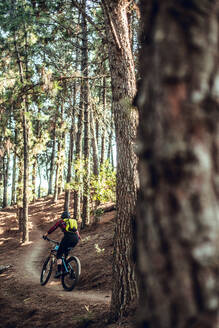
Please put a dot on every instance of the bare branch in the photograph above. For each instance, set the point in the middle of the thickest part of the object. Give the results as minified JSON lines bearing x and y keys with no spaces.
{"x":89,"y":19}
{"x":114,"y":33}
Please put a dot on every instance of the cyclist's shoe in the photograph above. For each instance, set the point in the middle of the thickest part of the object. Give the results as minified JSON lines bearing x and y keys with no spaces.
{"x":58,"y":274}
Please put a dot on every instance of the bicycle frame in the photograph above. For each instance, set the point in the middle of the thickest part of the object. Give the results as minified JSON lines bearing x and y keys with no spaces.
{"x":54,"y":251}
{"x":70,"y":264}
{"x":64,"y":264}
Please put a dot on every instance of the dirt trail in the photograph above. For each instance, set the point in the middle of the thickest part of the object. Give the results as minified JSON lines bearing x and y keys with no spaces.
{"x":24,"y":302}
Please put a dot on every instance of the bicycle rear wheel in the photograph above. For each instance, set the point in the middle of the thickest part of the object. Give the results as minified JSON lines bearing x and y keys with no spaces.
{"x":46,"y":271}
{"x":70,"y":278}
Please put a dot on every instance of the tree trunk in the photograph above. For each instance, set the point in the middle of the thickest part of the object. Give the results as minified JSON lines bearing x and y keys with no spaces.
{"x":97,"y":128}
{"x":25,"y":230}
{"x":35,"y":162}
{"x":1,"y":175}
{"x":40,"y":182}
{"x":19,"y":193}
{"x":78,"y":157}
{"x":25,"y":124}
{"x":25,"y":236}
{"x":124,"y":289}
{"x":78,"y":154}
{"x":52,"y":161}
{"x":34,"y":178}
{"x":14,"y":170}
{"x":24,"y":110}
{"x":61,"y":154}
{"x":178,"y":218}
{"x":70,"y":161}
{"x":55,"y":198}
{"x":59,"y":169}
{"x":59,"y":157}
{"x":86,"y":180}
{"x":94,"y":145}
{"x":6,"y":173}
{"x":103,"y":136}
{"x":71,"y":144}
{"x":110,"y":144}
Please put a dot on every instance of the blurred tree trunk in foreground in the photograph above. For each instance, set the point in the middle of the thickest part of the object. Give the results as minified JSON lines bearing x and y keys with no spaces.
{"x":178,"y":148}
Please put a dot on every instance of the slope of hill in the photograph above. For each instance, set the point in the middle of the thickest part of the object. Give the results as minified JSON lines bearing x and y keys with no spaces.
{"x":25,"y":303}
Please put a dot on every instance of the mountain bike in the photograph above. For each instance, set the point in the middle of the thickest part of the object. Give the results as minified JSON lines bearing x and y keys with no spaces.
{"x":71,"y":267}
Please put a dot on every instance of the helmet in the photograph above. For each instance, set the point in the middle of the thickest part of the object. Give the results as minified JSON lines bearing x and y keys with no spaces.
{"x":65,"y":215}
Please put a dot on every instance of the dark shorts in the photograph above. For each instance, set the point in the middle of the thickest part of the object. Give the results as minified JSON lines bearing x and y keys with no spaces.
{"x":69,"y":240}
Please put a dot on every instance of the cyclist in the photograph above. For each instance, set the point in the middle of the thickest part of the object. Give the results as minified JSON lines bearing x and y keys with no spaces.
{"x":70,"y":239}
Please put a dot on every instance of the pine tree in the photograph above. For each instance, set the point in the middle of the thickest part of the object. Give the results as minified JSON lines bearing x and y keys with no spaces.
{"x":72,"y":136}
{"x":178,"y":222}
{"x":124,"y":289}
{"x":85,"y":95}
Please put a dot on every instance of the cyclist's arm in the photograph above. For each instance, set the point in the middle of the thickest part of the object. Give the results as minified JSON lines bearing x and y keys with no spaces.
{"x":77,"y":232}
{"x":55,"y":226}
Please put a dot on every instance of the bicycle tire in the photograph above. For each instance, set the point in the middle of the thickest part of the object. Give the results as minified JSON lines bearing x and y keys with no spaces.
{"x":46,"y":271}
{"x":70,"y":279}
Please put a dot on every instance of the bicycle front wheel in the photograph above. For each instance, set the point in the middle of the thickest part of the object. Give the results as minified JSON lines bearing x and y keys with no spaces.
{"x":46,"y":271}
{"x":70,"y":278}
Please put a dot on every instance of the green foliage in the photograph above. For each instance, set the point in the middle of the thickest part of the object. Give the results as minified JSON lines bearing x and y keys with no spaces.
{"x":103,"y":186}
{"x":40,"y":53}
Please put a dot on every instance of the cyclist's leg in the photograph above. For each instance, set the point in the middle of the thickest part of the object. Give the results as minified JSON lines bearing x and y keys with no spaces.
{"x":73,"y":240}
{"x":60,"y":252}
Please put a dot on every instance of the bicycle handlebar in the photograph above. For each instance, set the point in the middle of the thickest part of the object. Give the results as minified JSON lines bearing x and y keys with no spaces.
{"x":53,"y":241}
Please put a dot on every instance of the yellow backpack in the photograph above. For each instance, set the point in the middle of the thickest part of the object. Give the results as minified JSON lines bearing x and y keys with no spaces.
{"x":71,"y":225}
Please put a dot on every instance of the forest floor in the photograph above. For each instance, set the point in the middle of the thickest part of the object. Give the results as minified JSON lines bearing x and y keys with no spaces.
{"x":24,"y":303}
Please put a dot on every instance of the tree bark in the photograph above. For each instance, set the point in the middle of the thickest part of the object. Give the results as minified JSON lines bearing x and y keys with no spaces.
{"x":35,"y":162}
{"x":6,"y":176}
{"x":19,"y":193}
{"x":70,"y":161}
{"x":78,"y":154}
{"x":25,"y":236}
{"x":14,"y":170}
{"x":60,"y":156}
{"x":34,"y":178}
{"x":94,"y":145}
{"x":110,"y":144}
{"x":178,"y":218}
{"x":97,"y":128}
{"x":86,"y":180}
{"x":1,"y":176}
{"x":52,"y":160}
{"x":103,"y":136}
{"x":25,"y":229}
{"x":78,"y":157}
{"x":124,"y":289}
{"x":40,"y":182}
{"x":55,"y":198}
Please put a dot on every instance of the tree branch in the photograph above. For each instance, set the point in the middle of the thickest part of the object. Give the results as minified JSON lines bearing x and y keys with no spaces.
{"x":89,"y":19}
{"x":114,"y":33}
